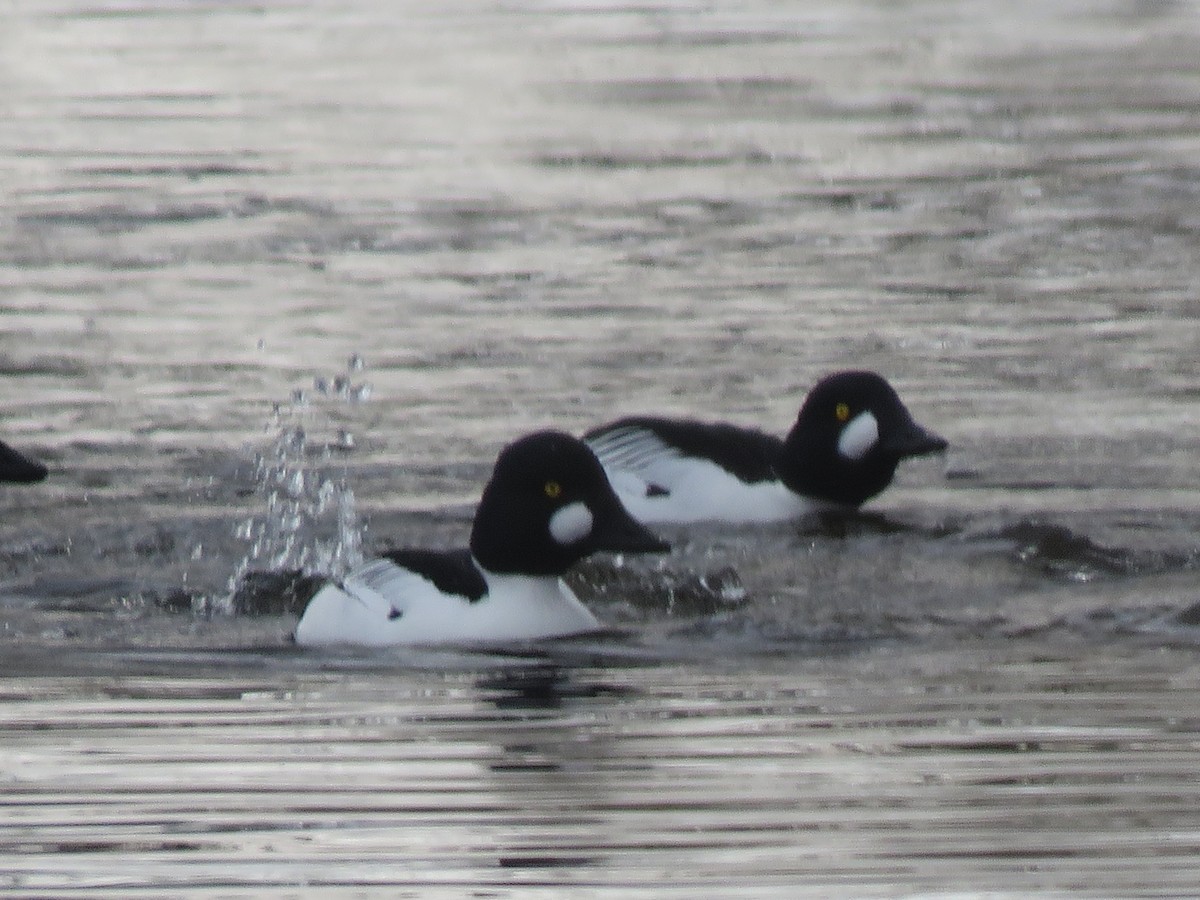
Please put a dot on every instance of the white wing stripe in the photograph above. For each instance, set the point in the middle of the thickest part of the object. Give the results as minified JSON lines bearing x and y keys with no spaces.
{"x":631,"y":448}
{"x":382,"y":578}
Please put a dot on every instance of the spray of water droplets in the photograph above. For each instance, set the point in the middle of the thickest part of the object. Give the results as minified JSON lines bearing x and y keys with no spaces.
{"x":310,"y":523}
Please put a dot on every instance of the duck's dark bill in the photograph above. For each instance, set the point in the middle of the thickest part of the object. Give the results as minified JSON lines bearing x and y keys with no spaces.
{"x":17,"y":468}
{"x":913,"y":440}
{"x":621,"y":533}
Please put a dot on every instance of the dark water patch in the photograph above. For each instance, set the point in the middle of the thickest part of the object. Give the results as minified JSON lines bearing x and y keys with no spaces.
{"x":16,"y":553}
{"x":1189,"y":616}
{"x":112,"y":219}
{"x":108,"y":845}
{"x":542,"y":687}
{"x":847,"y":524}
{"x":745,"y":634}
{"x":260,"y":592}
{"x":875,"y":198}
{"x":52,"y":365}
{"x":191,"y":171}
{"x":675,"y":92}
{"x":649,"y":162}
{"x":75,"y":593}
{"x":483,"y":352}
{"x":658,"y":590}
{"x":136,"y":9}
{"x":499,"y":285}
{"x":643,"y":28}
{"x":334,"y":239}
{"x":1057,"y":551}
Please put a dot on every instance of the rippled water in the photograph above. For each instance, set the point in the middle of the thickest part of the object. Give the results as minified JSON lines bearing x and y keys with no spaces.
{"x":277,"y":281}
{"x":905,"y":775}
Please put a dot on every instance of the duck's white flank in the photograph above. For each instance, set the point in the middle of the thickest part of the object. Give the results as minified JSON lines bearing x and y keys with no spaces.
{"x":640,"y":466}
{"x":382,"y":604}
{"x":701,"y":491}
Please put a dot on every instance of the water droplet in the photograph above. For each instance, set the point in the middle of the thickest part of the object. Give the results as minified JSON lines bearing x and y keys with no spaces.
{"x":310,"y":522}
{"x":296,"y":484}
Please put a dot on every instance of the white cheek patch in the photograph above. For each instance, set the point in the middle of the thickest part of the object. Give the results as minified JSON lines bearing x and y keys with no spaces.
{"x":572,"y":523}
{"x":859,"y":436}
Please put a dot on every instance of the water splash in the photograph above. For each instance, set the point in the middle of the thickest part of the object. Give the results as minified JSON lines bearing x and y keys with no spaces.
{"x":310,"y":524}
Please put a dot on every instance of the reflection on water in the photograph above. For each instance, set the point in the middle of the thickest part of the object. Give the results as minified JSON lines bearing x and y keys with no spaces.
{"x":807,"y":777}
{"x":277,"y":282}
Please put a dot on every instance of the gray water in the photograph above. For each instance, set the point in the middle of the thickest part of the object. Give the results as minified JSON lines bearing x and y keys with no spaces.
{"x":278,"y":281}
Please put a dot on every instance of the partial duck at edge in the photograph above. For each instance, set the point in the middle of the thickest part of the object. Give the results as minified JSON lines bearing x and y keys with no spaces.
{"x":19,"y":469}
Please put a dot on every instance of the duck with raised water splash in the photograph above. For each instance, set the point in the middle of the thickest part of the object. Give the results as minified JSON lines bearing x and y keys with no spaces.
{"x":547,"y":506}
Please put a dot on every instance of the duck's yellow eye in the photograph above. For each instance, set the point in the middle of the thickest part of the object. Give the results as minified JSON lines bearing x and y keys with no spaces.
{"x":842,"y":412}
{"x":552,"y":489}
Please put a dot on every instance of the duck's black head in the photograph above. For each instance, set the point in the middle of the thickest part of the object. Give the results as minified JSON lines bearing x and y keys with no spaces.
{"x":851,"y":434}
{"x":547,"y":506}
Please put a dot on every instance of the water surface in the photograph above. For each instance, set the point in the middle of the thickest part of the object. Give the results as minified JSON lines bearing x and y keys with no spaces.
{"x":277,"y":282}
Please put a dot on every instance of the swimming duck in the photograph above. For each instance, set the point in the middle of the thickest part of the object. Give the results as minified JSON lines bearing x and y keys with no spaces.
{"x":547,"y":505}
{"x":850,"y":435}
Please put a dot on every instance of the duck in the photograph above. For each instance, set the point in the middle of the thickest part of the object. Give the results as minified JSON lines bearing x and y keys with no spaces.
{"x":850,"y":435}
{"x":547,"y":505}
{"x":17,"y":468}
